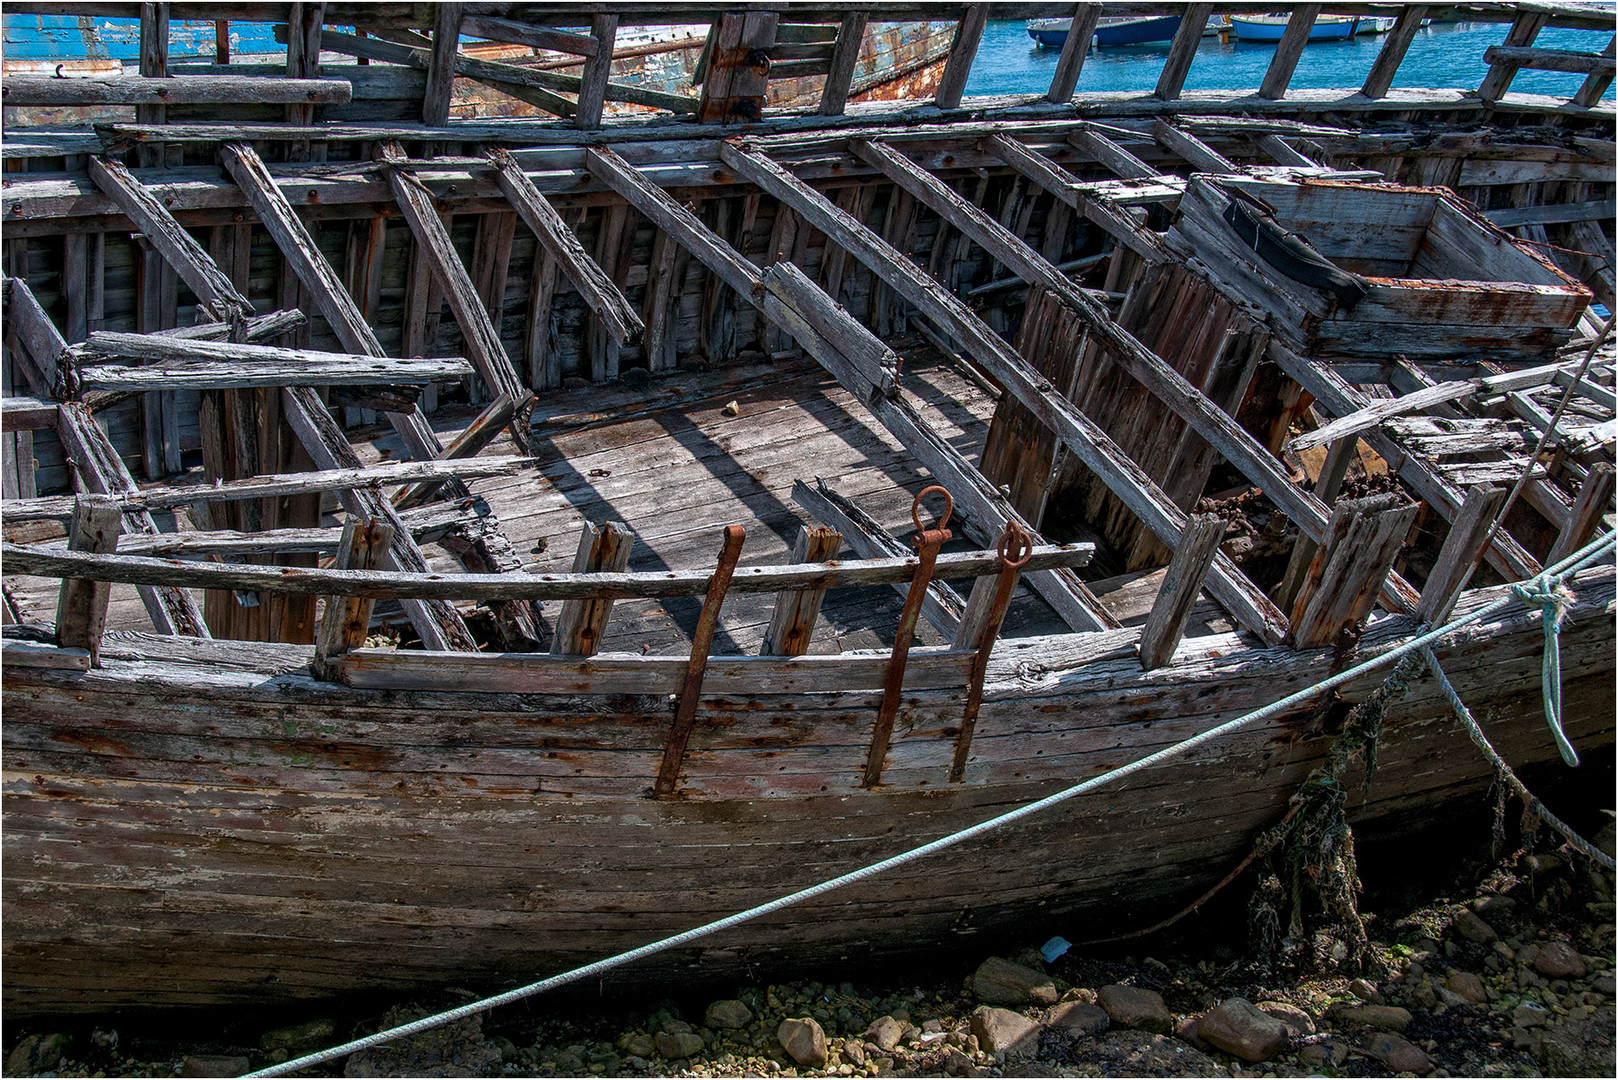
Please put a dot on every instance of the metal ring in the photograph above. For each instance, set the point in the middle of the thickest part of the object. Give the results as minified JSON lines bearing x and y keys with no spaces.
{"x":1016,"y":538}
{"x":949,"y":506}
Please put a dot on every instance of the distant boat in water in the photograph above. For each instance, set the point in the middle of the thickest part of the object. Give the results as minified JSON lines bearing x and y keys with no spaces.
{"x":1271,"y":27}
{"x":1052,"y":33}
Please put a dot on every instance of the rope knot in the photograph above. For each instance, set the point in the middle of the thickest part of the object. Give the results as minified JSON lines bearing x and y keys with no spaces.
{"x":1548,"y":593}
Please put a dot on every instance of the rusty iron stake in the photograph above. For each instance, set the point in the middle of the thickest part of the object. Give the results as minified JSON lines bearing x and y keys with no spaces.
{"x":1015,"y":550}
{"x":685,"y":714}
{"x":927,"y":543}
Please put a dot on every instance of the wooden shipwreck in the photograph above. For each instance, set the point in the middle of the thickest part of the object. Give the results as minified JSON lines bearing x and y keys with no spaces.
{"x":365,"y":468}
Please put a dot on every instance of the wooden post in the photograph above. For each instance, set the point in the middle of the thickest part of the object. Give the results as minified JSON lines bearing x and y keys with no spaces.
{"x":347,"y":619}
{"x":81,"y":608}
{"x":597,"y":71}
{"x":1459,"y":554}
{"x":221,"y":41}
{"x":604,"y":548}
{"x":601,"y":348}
{"x":792,"y":624}
{"x":737,"y":72}
{"x":441,"y":69}
{"x":1182,"y":51}
{"x":943,"y":606}
{"x":1332,"y":474}
{"x":968,"y":34}
{"x":1287,"y":53}
{"x":305,"y":23}
{"x":154,"y":63}
{"x":1596,"y":83}
{"x":1394,"y":46}
{"x":1077,"y":46}
{"x":662,"y":290}
{"x":1521,"y":35}
{"x":1363,"y":538}
{"x":845,"y":57}
{"x":1594,"y":496}
{"x":1193,"y":555}
{"x":685,"y":712}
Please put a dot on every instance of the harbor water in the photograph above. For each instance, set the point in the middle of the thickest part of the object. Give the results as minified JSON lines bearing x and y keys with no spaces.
{"x":1442,"y":55}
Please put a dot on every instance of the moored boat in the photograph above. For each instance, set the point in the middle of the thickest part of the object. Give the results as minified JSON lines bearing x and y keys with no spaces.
{"x":1110,"y":32}
{"x":1264,"y":28}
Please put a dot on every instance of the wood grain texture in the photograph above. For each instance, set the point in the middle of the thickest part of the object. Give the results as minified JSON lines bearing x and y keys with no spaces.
{"x":357,"y":770}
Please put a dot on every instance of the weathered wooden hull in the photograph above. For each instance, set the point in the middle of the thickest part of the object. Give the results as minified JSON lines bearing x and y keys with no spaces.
{"x":233,"y":831}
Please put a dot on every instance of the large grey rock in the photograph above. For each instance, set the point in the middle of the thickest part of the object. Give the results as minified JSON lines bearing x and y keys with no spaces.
{"x":1001,"y":1031}
{"x":1388,"y":1017}
{"x":1530,"y":1014}
{"x":214,"y":1065}
{"x":1559,"y":960}
{"x":1467,"y":986}
{"x":728,"y":1015}
{"x":1237,"y":1027}
{"x":804,"y":1040}
{"x":1398,"y":1054}
{"x":1080,"y":1017}
{"x":675,"y":1045}
{"x":1297,"y":1021}
{"x":1134,"y":1007}
{"x":884,"y":1033}
{"x":1471,"y":927}
{"x":1000,"y":982}
{"x":35,"y":1054}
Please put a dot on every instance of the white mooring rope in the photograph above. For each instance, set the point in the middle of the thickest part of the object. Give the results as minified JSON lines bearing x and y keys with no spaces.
{"x":1577,"y":561}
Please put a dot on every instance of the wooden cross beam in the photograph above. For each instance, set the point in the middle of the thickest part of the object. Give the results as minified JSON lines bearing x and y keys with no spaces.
{"x":1092,"y":445}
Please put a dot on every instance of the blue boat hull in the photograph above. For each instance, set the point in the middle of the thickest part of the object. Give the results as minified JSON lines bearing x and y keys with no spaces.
{"x":1248,"y":30}
{"x":1135,"y":32}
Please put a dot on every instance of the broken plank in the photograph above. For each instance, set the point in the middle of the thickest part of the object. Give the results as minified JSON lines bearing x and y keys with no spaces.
{"x":275,"y":485}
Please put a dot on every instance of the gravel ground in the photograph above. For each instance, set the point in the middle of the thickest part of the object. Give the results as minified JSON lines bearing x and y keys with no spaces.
{"x":1506,"y":972}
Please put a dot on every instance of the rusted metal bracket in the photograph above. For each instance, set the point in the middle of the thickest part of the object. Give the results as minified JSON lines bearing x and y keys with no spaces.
{"x":927,"y":542}
{"x":685,"y":713}
{"x":1015,"y":550}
